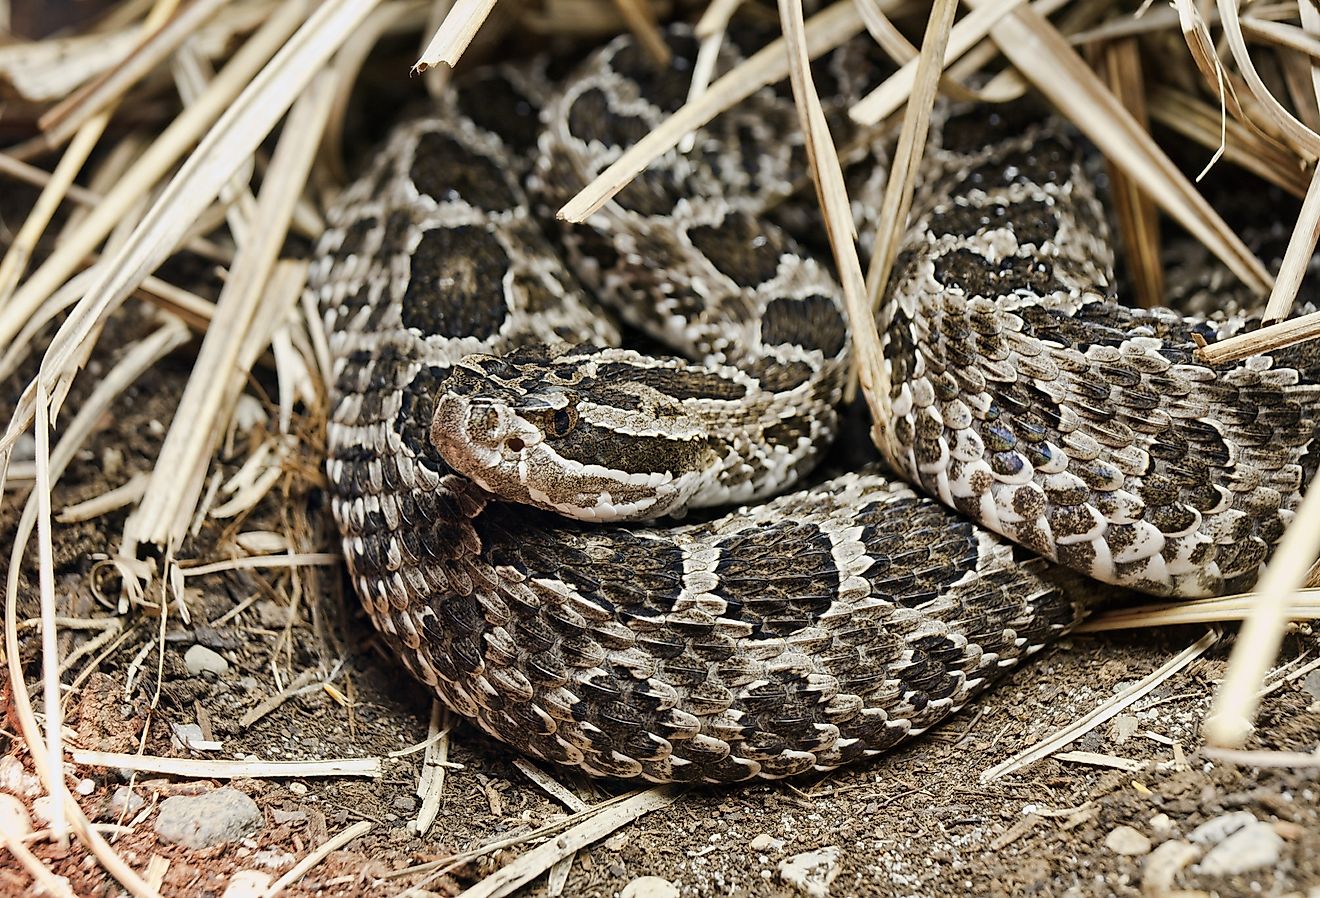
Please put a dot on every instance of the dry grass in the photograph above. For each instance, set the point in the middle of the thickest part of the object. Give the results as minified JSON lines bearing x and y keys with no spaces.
{"x":1244,"y":87}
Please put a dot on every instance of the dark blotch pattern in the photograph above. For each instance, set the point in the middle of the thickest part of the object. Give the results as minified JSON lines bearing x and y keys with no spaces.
{"x":680,"y":383}
{"x":456,"y":284}
{"x":1032,"y":221}
{"x":813,"y":322}
{"x":743,"y":248}
{"x":634,"y":454}
{"x":495,"y":103}
{"x":443,"y":167}
{"x":780,"y":577}
{"x":978,"y":276}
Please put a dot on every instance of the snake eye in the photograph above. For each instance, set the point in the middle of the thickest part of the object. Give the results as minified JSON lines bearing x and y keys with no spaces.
{"x":562,"y":420}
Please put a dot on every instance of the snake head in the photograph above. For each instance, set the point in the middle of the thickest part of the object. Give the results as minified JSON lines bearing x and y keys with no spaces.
{"x":530,"y":427}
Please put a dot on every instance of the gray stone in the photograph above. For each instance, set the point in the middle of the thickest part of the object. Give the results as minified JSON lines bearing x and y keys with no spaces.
{"x":1216,"y":830}
{"x":200,"y":821}
{"x":649,"y":887}
{"x":199,"y":659}
{"x":1127,"y":841}
{"x":124,"y":802}
{"x":812,"y":872}
{"x":1252,"y":847}
{"x":1163,"y":865}
{"x":1312,"y":684}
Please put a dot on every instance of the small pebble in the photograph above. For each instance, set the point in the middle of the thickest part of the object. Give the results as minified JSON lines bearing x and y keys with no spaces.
{"x":766,"y":842}
{"x":124,"y":802}
{"x":200,"y":821}
{"x":1161,"y":825}
{"x":14,"y":820}
{"x":247,"y":884}
{"x":43,"y":808}
{"x":273,"y":858}
{"x":1216,"y":830}
{"x":811,"y":872}
{"x":1163,"y":865}
{"x":649,"y":887}
{"x":1124,"y":728}
{"x":1312,"y":684}
{"x":85,"y":787}
{"x":25,"y":448}
{"x":199,"y":659}
{"x":15,"y":778}
{"x":298,"y":788}
{"x":186,"y":734}
{"x":1127,"y":841}
{"x":1252,"y":847}
{"x":272,"y":614}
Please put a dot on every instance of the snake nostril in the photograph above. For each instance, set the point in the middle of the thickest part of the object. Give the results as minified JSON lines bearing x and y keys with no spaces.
{"x":515,"y":444}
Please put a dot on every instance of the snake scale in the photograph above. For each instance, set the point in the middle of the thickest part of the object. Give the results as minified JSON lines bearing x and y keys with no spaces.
{"x":521,"y":500}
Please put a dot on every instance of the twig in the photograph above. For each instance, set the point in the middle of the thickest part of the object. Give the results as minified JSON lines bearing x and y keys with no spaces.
{"x":1041,"y":54}
{"x":431,"y":784}
{"x":1124,"y":699}
{"x":1295,"y":759}
{"x":880,"y":103}
{"x":307,"y":559}
{"x":535,"y":862}
{"x":322,"y":851}
{"x":228,"y":770}
{"x":178,"y":477}
{"x":163,"y":35}
{"x":1258,"y":342}
{"x":454,"y":34}
{"x":15,"y":829}
{"x":1230,"y":719}
{"x":827,"y":30}
{"x":902,"y":179}
{"x":640,"y":19}
{"x":832,"y":195}
{"x":155,"y":161}
{"x":86,"y":132}
{"x":270,"y":704}
{"x":1221,"y":609}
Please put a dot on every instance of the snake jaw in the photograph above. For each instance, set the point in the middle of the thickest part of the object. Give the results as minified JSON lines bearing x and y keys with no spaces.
{"x":485,"y":441}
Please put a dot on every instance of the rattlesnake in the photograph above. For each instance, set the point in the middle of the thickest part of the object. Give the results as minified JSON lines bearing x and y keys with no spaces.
{"x":796,"y":633}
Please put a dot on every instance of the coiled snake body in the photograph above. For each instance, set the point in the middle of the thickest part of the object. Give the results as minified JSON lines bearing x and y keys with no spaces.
{"x":805,"y":631}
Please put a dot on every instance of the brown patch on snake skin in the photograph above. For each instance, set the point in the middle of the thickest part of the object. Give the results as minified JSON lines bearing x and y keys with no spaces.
{"x":491,"y":100}
{"x":413,"y":423}
{"x":904,"y":538}
{"x":788,"y":432}
{"x":634,"y":454}
{"x":778,"y":377}
{"x":455,"y":287}
{"x":443,"y":168}
{"x":813,"y":322}
{"x":977,"y":276}
{"x":356,"y":236}
{"x":742,"y":248}
{"x":1031,"y":221}
{"x":591,"y":118}
{"x":665,"y":87}
{"x":680,"y":383}
{"x":778,"y":577}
